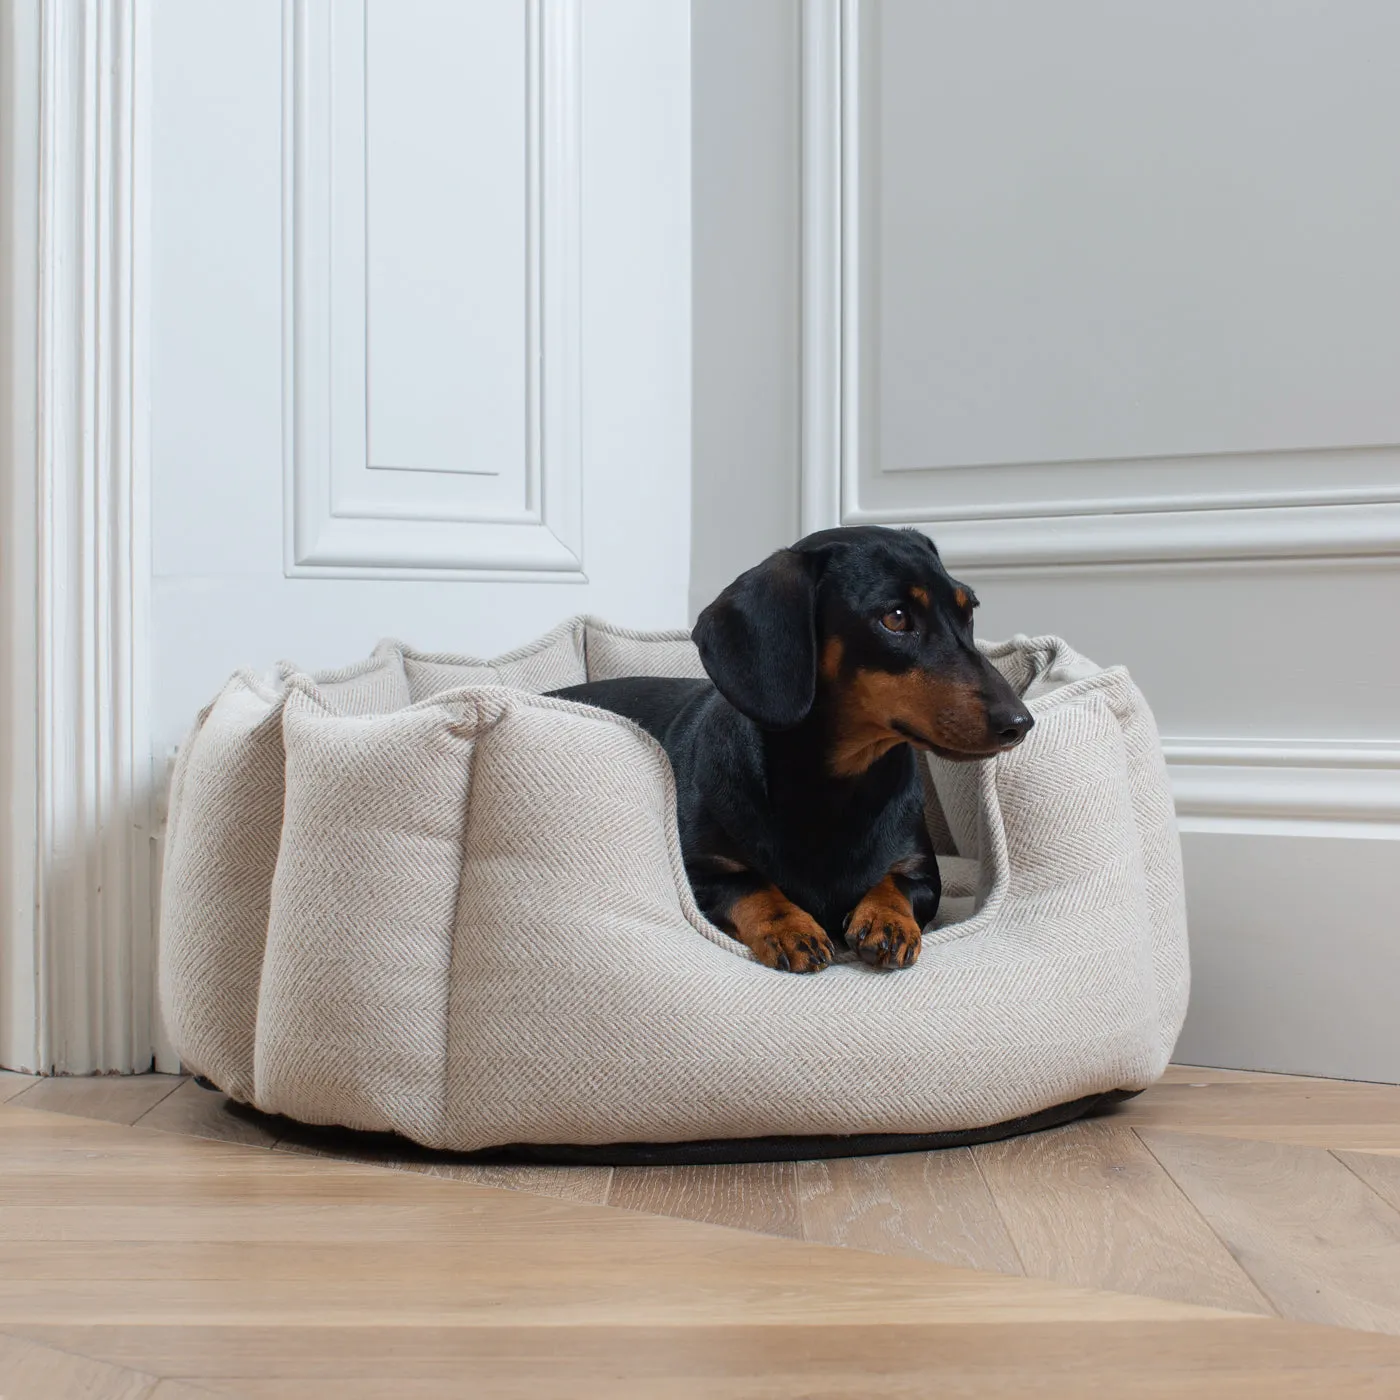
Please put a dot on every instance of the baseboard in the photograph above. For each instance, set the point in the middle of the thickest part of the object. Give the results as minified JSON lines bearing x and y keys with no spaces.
{"x":1293,"y":950}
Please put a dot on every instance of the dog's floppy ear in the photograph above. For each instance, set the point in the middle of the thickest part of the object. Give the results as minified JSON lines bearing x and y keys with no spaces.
{"x":758,"y":640}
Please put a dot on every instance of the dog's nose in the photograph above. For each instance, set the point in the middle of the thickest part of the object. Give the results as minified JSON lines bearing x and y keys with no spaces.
{"x":1009,"y":723}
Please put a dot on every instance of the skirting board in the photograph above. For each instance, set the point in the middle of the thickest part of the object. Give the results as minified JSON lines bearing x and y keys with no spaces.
{"x":1293,"y":949}
{"x":1292,"y":854}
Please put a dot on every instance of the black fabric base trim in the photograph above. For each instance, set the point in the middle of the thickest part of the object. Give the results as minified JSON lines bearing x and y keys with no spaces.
{"x":711,"y":1152}
{"x":720,"y":1151}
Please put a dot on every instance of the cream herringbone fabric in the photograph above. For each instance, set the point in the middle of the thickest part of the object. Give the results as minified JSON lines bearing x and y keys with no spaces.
{"x":414,"y":895}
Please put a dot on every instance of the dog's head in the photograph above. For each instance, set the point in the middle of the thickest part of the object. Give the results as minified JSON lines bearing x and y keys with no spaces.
{"x":864,"y":627}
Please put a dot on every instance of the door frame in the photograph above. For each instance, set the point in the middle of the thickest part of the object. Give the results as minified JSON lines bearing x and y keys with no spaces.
{"x":76,"y":839}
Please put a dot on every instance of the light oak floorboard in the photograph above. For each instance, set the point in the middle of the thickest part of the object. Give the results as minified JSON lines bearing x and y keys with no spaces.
{"x":1135,"y":1361}
{"x":758,"y":1196}
{"x":532,"y":1286}
{"x":188,"y":1109}
{"x":117,"y":1098}
{"x":30,"y":1371}
{"x":840,"y":1383}
{"x":258,"y":1216}
{"x":1272,"y":1108}
{"x":12,"y":1083}
{"x":1205,"y":1074}
{"x":1089,"y":1202}
{"x":1317,"y":1240}
{"x":197,"y":1112}
{"x":1381,"y":1138}
{"x":1380,"y":1172}
{"x":931,"y":1205}
{"x":586,"y":1183}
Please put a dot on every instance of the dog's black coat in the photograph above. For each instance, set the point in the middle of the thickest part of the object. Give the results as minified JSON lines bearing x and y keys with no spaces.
{"x":761,"y":798}
{"x":804,"y":668}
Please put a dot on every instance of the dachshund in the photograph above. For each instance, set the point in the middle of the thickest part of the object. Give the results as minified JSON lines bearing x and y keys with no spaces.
{"x":800,"y":804}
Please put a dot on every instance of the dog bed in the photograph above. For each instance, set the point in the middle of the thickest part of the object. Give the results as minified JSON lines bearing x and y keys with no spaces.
{"x":417,"y":896}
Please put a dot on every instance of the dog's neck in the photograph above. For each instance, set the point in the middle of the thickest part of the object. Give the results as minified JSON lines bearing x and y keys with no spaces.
{"x":834,"y":754}
{"x":846,"y":735}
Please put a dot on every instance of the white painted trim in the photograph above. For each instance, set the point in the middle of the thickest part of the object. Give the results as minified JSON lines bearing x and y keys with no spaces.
{"x":1324,"y":463}
{"x":1316,"y":782}
{"x":328,"y":537}
{"x":556,"y":315}
{"x":156,"y":777}
{"x":1205,"y":567}
{"x":19,"y":506}
{"x":1382,"y":754}
{"x":1321,"y":828}
{"x":1202,"y":533}
{"x":853,"y":369}
{"x":822,"y":203}
{"x":87,"y":935}
{"x":1089,"y":532}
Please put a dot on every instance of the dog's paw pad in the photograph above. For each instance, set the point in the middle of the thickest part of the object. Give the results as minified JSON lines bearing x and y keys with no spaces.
{"x":884,"y":937}
{"x":793,"y":945}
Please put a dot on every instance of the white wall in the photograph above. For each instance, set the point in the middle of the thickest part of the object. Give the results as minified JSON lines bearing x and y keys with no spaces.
{"x":244,"y":404}
{"x":746,"y":135}
{"x":1112,"y":309}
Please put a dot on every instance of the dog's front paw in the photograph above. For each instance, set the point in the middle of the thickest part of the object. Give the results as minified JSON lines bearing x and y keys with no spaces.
{"x":882,"y":929}
{"x":778,"y":933}
{"x":792,"y":943}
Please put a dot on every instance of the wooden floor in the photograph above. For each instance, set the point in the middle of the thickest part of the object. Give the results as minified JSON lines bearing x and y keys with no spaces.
{"x":1224,"y":1234}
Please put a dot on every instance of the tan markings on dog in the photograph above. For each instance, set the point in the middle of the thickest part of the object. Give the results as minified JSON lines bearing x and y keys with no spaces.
{"x":832,"y":653}
{"x":919,"y":594}
{"x":945,"y":713}
{"x":910,"y":865}
{"x":778,"y":933}
{"x":960,"y":597}
{"x":882,"y":928}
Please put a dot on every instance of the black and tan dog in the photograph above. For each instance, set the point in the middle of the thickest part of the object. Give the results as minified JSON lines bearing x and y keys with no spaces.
{"x":800,"y":804}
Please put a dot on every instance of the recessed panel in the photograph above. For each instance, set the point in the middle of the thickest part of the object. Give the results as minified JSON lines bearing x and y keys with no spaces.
{"x":446,"y":120}
{"x":431,"y":223}
{"x":1094,"y":231}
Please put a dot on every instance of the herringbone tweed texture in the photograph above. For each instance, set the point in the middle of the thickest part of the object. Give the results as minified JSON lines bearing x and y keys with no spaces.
{"x":414,"y":895}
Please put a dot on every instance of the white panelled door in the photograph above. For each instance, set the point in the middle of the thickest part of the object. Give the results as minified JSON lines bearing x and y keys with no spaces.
{"x":420,"y":326}
{"x":387,"y":306}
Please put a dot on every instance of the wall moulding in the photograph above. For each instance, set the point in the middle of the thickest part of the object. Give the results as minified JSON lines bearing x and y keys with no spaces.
{"x":1203,"y":534}
{"x":78,"y":952}
{"x":1315,"y":781}
{"x":1250,"y":518}
{"x":367,"y":531}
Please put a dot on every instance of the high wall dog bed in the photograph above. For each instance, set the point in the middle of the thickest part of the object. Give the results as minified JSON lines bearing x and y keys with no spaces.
{"x":416,"y":896}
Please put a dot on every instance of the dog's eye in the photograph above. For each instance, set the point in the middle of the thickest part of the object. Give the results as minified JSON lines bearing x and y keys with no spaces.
{"x":896,"y":620}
